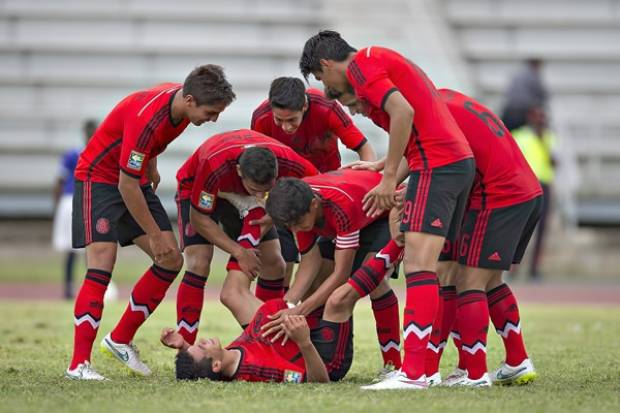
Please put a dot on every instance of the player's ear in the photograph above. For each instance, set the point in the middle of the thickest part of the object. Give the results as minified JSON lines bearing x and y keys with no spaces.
{"x":325,"y":63}
{"x":216,"y":366}
{"x":188,"y":99}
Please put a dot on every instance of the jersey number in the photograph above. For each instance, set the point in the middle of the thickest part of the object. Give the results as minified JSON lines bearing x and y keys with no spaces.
{"x":494,"y":124}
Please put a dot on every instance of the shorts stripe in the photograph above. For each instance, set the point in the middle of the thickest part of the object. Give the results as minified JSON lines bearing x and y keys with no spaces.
{"x":487,"y":214}
{"x":420,"y":201}
{"x":180,"y":222}
{"x":87,"y":213}
{"x":475,"y":245}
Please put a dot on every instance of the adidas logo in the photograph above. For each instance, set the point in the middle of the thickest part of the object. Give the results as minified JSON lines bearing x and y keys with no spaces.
{"x":437,"y":223}
{"x":494,"y":257}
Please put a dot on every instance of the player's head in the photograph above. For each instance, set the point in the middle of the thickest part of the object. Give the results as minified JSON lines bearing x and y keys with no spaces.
{"x":350,"y":101}
{"x":323,"y":57}
{"x":88,"y":128}
{"x":292,"y":203}
{"x":206,"y":93}
{"x":287,"y":97}
{"x":257,"y":167}
{"x":202,"y":360}
{"x":537,"y":116}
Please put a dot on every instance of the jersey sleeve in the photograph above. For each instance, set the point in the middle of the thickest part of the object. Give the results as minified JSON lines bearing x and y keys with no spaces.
{"x":138,"y":138}
{"x":369,"y":78}
{"x":342,"y":126}
{"x":348,"y":240}
{"x":204,"y":190}
{"x":305,"y":241}
{"x":260,"y":121}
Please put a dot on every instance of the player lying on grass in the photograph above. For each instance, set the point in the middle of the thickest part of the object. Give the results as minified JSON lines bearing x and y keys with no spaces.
{"x":312,"y":125}
{"x":505,"y":199}
{"x":226,"y":166}
{"x":322,"y":354}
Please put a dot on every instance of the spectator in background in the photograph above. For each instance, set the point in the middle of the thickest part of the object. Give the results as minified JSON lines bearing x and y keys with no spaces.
{"x":63,"y":199}
{"x":526,"y":89}
{"x":536,"y":141}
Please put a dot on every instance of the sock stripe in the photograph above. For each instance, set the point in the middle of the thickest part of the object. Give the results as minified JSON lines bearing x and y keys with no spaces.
{"x":102,"y":281}
{"x":163,"y":274}
{"x":270,"y":284}
{"x":386,"y":300}
{"x":100,"y":272}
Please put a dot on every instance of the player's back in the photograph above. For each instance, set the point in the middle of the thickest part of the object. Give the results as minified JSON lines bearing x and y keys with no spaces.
{"x":503,"y":175}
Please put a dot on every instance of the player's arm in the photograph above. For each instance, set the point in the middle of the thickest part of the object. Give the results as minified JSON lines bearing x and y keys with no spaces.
{"x":366,"y":152}
{"x":296,"y":328}
{"x":309,"y":267}
{"x":171,"y":338}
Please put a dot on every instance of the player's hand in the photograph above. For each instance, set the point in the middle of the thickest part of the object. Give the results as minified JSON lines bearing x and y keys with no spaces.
{"x":171,"y":338}
{"x":366,"y":165}
{"x":275,"y":325}
{"x":380,"y":198}
{"x":296,"y":328}
{"x":160,"y":249}
{"x":249,"y":261}
{"x":265,"y":223}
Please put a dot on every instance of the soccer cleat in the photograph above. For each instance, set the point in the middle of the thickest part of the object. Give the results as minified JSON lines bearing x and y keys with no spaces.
{"x":524,"y":373}
{"x":398,"y":381}
{"x":434,"y":380}
{"x":386,"y":371}
{"x":464,"y":381}
{"x":456,"y":374}
{"x":84,"y":371}
{"x":127,"y":354}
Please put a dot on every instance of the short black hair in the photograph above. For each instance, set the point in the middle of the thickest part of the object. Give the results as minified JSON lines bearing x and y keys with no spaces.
{"x":287,"y":93}
{"x":208,"y":85}
{"x":259,"y":165}
{"x":327,"y":44}
{"x":189,"y":369}
{"x":288,"y":201}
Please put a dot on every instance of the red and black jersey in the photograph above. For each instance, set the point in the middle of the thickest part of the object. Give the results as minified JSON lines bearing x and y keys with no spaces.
{"x":138,"y":129}
{"x":212,"y":168}
{"x":316,"y":139}
{"x":503,"y":176}
{"x":341,"y":193}
{"x":376,"y":72}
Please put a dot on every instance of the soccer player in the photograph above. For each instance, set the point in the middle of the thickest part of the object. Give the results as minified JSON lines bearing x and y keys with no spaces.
{"x":241,"y":162}
{"x":330,"y":206}
{"x":441,"y":164}
{"x":322,"y":354}
{"x":505,"y":199}
{"x":312,"y":125}
{"x":115,"y":203}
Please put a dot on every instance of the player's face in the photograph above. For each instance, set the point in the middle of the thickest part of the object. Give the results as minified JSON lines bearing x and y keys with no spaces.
{"x":288,"y":120}
{"x":204,"y":113}
{"x":355,"y":105}
{"x":257,"y":190}
{"x":304,"y":224}
{"x":206,"y":348}
{"x":332,"y":76}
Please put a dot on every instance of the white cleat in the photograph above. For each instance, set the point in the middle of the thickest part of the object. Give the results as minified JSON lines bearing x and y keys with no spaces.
{"x":524,"y":373}
{"x":386,"y":371}
{"x":456,"y":374}
{"x":398,"y":381}
{"x":464,"y":381}
{"x":127,"y":354}
{"x":434,"y":380}
{"x":84,"y":371}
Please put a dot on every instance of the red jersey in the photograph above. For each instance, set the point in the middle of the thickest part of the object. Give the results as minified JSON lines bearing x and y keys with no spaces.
{"x":316,"y":139}
{"x":262,"y":360}
{"x":212,"y":168}
{"x":375,"y":73}
{"x":138,"y":129}
{"x":503,"y":176}
{"x":341,"y":194}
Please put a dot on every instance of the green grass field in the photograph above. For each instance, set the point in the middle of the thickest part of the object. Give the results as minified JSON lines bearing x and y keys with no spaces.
{"x":575,"y":350}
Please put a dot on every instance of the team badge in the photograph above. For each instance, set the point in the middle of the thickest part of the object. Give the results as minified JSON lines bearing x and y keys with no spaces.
{"x":135,"y":160}
{"x":291,"y":376}
{"x":206,"y":200}
{"x":102,"y":226}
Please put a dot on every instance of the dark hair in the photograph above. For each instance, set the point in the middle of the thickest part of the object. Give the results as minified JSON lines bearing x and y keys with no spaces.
{"x":288,"y":201}
{"x":332,"y":94}
{"x":259,"y":165}
{"x":287,"y":93}
{"x":327,"y":44}
{"x":189,"y":369}
{"x":208,"y":85}
{"x":89,"y":127}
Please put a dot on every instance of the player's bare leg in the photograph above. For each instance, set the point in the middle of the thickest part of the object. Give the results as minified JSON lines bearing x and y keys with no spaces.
{"x":236,"y":296}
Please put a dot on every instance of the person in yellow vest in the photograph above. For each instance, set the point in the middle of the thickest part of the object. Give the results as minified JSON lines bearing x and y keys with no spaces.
{"x":536,"y":141}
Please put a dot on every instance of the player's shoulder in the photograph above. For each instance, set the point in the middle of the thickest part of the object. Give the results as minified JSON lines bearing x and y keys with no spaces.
{"x":262,"y":111}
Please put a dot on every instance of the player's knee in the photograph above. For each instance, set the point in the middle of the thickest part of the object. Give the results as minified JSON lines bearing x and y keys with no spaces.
{"x":342,"y":299}
{"x":198,"y":264}
{"x":174,"y":262}
{"x":230,"y":296}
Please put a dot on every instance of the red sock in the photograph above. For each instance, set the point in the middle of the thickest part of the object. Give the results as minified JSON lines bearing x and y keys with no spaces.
{"x":419,"y":314}
{"x":473,"y":315}
{"x":190,"y":298}
{"x":435,"y":345}
{"x":505,"y":316}
{"x":385,"y":310}
{"x":456,"y":338}
{"x":87,"y":314}
{"x":249,"y":236}
{"x":371,"y":273}
{"x":145,"y":297}
{"x":447,"y":295}
{"x":269,"y":289}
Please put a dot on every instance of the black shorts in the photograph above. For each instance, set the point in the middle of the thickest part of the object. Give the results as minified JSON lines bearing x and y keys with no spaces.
{"x":436,"y":198}
{"x":100,"y":214}
{"x":225,"y":214}
{"x":334,"y":343}
{"x":497,"y":238}
{"x":288,"y":247}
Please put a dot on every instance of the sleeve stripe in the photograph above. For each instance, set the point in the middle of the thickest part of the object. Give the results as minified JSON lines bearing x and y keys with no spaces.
{"x":386,"y":96}
{"x":150,"y":127}
{"x":362,"y":143}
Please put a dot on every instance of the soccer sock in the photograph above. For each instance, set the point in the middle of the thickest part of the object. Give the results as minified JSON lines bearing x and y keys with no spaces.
{"x":269,"y":289}
{"x":190,"y":298}
{"x":87,"y":314}
{"x":447,"y":295}
{"x":371,"y":273}
{"x":505,"y":316}
{"x":419,"y":314}
{"x":435,"y":344}
{"x":385,"y":310}
{"x":473,"y":316}
{"x":249,"y":236}
{"x":456,"y":338}
{"x":145,"y":297}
